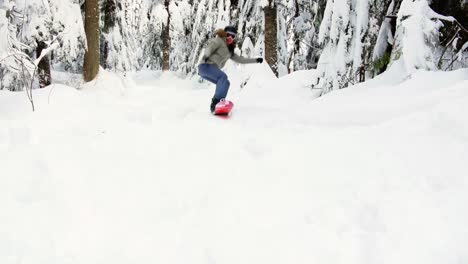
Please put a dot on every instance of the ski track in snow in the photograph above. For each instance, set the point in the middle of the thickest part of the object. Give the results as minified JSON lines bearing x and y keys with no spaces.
{"x":145,"y":174}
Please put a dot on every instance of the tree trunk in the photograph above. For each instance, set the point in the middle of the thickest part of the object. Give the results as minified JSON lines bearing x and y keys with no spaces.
{"x":271,"y":37}
{"x":91,"y":58}
{"x":45,"y":78}
{"x":167,"y":39}
{"x":297,"y":40}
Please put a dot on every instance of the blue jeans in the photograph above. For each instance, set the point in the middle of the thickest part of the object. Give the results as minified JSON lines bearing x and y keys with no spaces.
{"x":212,"y":73}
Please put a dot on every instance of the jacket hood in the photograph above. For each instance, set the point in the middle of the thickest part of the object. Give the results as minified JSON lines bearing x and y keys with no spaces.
{"x":221,"y":33}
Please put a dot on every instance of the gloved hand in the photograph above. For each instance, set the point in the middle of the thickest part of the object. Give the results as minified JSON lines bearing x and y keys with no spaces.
{"x":259,"y":60}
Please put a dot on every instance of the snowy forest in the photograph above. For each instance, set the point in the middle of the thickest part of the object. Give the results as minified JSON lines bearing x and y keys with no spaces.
{"x":347,"y":41}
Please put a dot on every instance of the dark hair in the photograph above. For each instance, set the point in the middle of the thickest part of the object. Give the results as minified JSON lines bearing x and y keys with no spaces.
{"x":232,"y":47}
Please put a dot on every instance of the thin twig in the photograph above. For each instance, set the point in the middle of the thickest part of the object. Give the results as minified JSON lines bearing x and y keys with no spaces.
{"x":460,"y":26}
{"x":454,"y":59}
{"x":439,"y":64}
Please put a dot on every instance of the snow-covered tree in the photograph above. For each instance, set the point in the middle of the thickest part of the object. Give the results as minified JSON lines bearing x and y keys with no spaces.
{"x":453,"y":36}
{"x":341,"y":32}
{"x":108,"y":22}
{"x":53,"y":25}
{"x":348,"y":32}
{"x":417,"y":35}
{"x":68,"y":30}
{"x":301,"y":19}
{"x":166,"y":37}
{"x":251,"y":24}
{"x":180,"y":34}
{"x":384,"y":43}
{"x":208,"y":16}
{"x":15,"y":66}
{"x":123,"y":45}
{"x":301,"y":33}
{"x":152,"y":24}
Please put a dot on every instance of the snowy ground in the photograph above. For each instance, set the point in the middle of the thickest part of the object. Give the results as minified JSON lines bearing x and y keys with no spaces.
{"x":137,"y":170}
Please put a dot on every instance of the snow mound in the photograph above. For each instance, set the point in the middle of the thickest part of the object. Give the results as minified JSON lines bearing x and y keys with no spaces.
{"x":134,"y":169}
{"x":389,"y":96}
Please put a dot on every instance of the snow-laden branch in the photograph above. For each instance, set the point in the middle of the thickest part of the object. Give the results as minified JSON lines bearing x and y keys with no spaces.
{"x":459,"y":55}
{"x":52,"y":45}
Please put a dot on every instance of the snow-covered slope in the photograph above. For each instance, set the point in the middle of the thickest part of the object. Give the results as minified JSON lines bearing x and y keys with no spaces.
{"x":137,"y":170}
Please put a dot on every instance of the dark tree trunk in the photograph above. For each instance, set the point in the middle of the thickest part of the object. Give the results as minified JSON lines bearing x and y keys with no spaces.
{"x":91,"y":58}
{"x":108,"y":18}
{"x":43,"y":68}
{"x":104,"y":53}
{"x":167,"y":39}
{"x":396,"y":9}
{"x":271,"y":37}
{"x":297,"y":40}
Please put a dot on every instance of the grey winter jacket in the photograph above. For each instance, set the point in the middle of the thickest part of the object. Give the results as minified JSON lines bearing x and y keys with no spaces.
{"x":217,"y":52}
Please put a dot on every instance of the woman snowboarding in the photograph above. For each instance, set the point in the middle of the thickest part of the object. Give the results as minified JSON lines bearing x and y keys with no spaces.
{"x":217,"y":52}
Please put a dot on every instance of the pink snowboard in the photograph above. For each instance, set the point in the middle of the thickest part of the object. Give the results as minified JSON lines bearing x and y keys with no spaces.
{"x":223,"y":107}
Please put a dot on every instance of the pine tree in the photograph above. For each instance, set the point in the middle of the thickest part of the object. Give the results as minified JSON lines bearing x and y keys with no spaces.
{"x":301,"y":34}
{"x":314,"y":49}
{"x":166,"y":38}
{"x":284,"y":13}
{"x":384,"y":42}
{"x":150,"y":30}
{"x":68,"y":31}
{"x":180,"y":35}
{"x":109,"y":17}
{"x":296,"y":36}
{"x":251,"y":25}
{"x":344,"y":32}
{"x":417,"y":35}
{"x":12,"y":57}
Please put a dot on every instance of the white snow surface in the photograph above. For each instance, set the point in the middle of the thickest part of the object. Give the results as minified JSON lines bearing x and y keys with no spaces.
{"x":136,"y":170}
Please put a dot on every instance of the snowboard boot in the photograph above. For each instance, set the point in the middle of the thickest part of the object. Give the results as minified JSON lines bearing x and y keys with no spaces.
{"x":214,"y":102}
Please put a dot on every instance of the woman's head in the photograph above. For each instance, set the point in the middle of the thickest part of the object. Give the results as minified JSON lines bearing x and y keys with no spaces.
{"x":231,"y":33}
